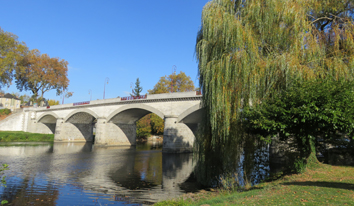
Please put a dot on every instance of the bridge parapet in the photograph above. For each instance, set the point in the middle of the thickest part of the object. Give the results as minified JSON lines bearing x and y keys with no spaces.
{"x":177,"y":96}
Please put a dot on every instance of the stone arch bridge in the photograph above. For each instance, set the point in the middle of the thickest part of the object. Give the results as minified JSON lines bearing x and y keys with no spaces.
{"x":115,"y":120}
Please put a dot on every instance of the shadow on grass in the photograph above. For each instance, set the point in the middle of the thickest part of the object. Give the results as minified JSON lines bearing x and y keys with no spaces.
{"x":338,"y":185}
{"x":253,"y":188}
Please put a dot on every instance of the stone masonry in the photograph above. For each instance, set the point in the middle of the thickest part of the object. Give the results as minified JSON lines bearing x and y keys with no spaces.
{"x":115,"y":120}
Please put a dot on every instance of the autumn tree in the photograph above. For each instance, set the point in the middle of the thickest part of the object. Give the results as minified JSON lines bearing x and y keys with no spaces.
{"x":248,"y":50}
{"x":53,"y":102}
{"x":40,"y":73}
{"x":137,"y":89}
{"x":157,"y":124}
{"x":11,"y":52}
{"x":143,"y":127}
{"x":178,"y":82}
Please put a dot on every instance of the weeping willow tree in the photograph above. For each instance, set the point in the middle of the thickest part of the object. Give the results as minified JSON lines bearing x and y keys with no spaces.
{"x":250,"y":49}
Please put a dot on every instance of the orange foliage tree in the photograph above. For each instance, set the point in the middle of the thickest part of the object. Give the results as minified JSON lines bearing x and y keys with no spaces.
{"x":40,"y":73}
{"x":11,"y":51}
{"x":179,"y":83}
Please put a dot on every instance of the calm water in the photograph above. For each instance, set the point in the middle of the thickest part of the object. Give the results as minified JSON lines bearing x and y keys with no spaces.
{"x":82,"y":174}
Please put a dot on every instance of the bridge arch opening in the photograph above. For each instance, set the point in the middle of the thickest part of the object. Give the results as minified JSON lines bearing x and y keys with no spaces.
{"x":192,"y":117}
{"x":79,"y":125}
{"x":135,"y":121}
{"x":47,"y":123}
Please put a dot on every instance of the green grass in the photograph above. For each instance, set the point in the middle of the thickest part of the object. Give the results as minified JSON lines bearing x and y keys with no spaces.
{"x":7,"y":136}
{"x":323,"y":185}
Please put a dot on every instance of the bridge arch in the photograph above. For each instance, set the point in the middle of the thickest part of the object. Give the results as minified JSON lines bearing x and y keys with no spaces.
{"x":46,"y":123}
{"x":84,"y":111}
{"x":188,"y":112}
{"x":141,"y":107}
{"x":78,"y":125}
{"x":192,"y":117}
{"x":48,"y":117}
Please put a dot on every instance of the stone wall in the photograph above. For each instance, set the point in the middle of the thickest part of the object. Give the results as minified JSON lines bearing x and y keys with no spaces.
{"x":14,"y":122}
{"x":116,"y":120}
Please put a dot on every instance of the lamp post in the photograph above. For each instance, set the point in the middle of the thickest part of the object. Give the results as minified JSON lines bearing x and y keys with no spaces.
{"x":90,"y":93}
{"x":104,"y":89}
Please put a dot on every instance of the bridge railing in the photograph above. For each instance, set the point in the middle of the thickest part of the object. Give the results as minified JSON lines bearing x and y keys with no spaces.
{"x":81,"y":103}
{"x":133,"y":97}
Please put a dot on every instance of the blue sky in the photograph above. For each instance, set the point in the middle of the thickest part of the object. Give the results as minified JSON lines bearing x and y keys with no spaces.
{"x":121,"y":40}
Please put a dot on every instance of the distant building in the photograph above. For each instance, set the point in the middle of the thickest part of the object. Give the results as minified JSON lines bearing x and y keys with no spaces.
{"x":9,"y":101}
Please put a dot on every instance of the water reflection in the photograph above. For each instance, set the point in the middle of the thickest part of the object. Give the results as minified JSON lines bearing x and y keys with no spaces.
{"x":65,"y":173}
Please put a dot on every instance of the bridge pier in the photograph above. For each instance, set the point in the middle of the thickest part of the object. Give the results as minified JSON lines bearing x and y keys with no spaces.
{"x":100,"y":130}
{"x":73,"y":132}
{"x":114,"y":134}
{"x":57,"y":133}
{"x":177,"y":137}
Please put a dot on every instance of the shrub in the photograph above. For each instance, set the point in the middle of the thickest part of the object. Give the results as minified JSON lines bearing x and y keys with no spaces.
{"x":5,"y":111}
{"x":309,"y":112}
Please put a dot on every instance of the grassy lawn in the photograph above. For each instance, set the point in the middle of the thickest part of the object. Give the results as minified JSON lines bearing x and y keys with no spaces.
{"x":7,"y":136}
{"x":324,"y":185}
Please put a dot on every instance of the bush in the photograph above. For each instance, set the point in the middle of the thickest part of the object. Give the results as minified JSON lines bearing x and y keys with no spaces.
{"x":5,"y":111}
{"x":309,"y":112}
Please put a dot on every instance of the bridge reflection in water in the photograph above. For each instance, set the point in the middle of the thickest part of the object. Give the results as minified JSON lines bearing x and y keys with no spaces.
{"x":68,"y":173}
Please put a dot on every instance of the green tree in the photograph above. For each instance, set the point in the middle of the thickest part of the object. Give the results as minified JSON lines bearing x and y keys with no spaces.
{"x":248,"y":50}
{"x":179,"y":83}
{"x":137,"y":90}
{"x":24,"y":98}
{"x":307,"y":112}
{"x":11,"y":52}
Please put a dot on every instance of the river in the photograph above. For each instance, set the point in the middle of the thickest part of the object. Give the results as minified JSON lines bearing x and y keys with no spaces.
{"x":82,"y":174}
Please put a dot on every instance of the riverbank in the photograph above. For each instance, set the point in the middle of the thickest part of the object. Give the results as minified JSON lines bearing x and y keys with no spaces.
{"x":324,"y":185}
{"x":9,"y":136}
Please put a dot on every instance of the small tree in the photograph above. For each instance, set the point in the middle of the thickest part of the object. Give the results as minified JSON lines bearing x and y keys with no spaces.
{"x":136,"y":91}
{"x":307,"y":112}
{"x":24,"y":98}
